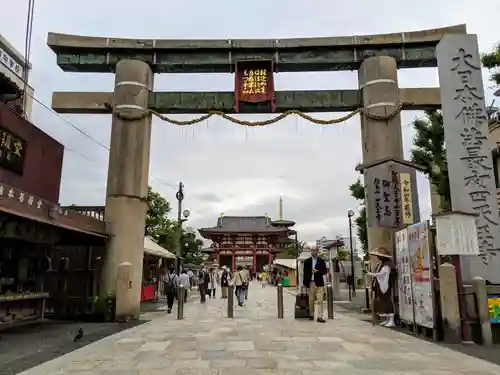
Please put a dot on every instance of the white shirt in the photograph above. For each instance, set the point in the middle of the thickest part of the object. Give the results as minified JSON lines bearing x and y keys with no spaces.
{"x":184,"y":280}
{"x":313,"y":263}
{"x":190,"y":273}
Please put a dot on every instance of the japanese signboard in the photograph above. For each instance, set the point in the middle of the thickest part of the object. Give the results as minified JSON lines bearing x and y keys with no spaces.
{"x":391,"y":202}
{"x":470,"y":165}
{"x":456,"y":234}
{"x":10,"y":63}
{"x":415,"y":278}
{"x":405,"y":289}
{"x":421,"y":273}
{"x":406,"y":198}
{"x":12,"y":151}
{"x":254,"y":83}
{"x":23,"y":204}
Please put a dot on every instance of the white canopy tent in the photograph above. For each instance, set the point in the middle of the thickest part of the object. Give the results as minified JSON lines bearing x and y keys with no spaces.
{"x":151,"y":247}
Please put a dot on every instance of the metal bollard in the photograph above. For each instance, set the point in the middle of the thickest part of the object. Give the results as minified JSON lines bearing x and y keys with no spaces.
{"x":230,"y":301}
{"x":180,"y":302}
{"x":329,"y":301}
{"x":280,"y":301}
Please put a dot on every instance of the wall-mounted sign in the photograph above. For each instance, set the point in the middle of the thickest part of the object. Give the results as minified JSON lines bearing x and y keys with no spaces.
{"x":406,"y":197}
{"x":494,"y":309}
{"x":244,"y":259}
{"x":12,"y":151}
{"x":11,"y":63}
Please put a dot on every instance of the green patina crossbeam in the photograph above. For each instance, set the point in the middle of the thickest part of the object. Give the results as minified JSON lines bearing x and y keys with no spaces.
{"x":203,"y":102}
{"x":416,"y":49}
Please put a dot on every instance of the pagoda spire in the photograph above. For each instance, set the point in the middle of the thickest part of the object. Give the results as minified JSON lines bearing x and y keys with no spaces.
{"x":281,"y":208}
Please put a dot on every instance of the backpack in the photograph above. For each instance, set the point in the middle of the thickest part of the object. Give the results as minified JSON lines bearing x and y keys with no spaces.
{"x":169,"y":285}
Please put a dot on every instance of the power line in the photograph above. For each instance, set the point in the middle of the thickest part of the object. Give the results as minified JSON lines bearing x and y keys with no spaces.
{"x":90,"y":138}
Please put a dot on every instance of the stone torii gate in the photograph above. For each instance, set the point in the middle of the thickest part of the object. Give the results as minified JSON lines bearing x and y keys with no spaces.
{"x":135,"y":61}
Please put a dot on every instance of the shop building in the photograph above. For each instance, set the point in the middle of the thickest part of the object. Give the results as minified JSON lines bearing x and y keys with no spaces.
{"x":14,"y":72}
{"x":49,"y":255}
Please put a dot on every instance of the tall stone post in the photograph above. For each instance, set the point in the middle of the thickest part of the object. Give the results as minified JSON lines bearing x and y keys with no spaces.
{"x":378,"y":83}
{"x":127,"y":187}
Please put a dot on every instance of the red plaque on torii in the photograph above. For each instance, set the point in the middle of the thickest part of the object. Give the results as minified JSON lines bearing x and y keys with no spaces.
{"x":254,"y":83}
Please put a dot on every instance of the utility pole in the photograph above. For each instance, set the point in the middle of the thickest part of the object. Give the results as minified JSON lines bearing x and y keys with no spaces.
{"x":350,"y":214}
{"x":180,"y":197}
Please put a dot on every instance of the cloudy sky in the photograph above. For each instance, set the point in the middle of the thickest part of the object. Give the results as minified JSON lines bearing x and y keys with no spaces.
{"x":226,"y":168}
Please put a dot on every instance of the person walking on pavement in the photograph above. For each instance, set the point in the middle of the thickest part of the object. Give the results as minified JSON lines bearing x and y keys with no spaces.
{"x":382,"y":284}
{"x":239,"y":282}
{"x":212,"y":283}
{"x":190,"y":274}
{"x":203,"y":281}
{"x":314,"y":271}
{"x":170,"y":285}
{"x":247,"y":285}
{"x":224,"y":282}
{"x":184,"y":281}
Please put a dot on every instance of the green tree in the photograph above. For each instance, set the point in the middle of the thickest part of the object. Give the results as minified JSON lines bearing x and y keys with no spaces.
{"x":293,"y":250}
{"x":191,"y":248}
{"x":429,"y":151}
{"x":358,"y":192}
{"x":158,"y":225}
{"x":492,"y":62}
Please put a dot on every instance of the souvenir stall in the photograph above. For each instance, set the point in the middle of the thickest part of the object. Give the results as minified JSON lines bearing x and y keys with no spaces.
{"x":22,"y":295}
{"x":156,"y":259}
{"x":287,"y":268}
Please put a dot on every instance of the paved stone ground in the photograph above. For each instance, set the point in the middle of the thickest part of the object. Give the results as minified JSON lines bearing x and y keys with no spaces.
{"x":256,"y":342}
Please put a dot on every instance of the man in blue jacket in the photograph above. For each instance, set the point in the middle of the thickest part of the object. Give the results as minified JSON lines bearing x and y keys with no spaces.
{"x":314,"y":272}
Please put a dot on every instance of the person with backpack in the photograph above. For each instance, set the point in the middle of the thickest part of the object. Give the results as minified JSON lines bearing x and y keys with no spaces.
{"x":382,"y":284}
{"x":170,"y":283}
{"x":240,"y":280}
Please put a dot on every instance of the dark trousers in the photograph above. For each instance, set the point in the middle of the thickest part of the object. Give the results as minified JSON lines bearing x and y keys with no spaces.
{"x":170,"y":300}
{"x":211,"y":292}
{"x":203,"y":293}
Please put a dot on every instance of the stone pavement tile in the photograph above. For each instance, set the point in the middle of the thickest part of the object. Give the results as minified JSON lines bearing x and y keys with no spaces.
{"x":193,"y":364}
{"x":177,"y":346}
{"x":154,"y":346}
{"x":302,"y":365}
{"x":231,"y":363}
{"x":331,"y":365}
{"x":271,"y":347}
{"x":240,"y":345}
{"x":262,"y":363}
{"x":215,"y":355}
{"x":212,"y":346}
{"x":247,"y":354}
{"x":155,"y":363}
{"x":131,"y":340}
{"x":116,"y":365}
{"x":330,"y":339}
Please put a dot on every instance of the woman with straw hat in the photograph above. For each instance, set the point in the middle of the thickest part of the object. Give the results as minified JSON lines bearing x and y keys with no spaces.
{"x":383,"y":279}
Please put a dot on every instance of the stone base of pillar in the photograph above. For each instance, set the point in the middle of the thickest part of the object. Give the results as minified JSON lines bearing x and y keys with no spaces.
{"x":127,"y":217}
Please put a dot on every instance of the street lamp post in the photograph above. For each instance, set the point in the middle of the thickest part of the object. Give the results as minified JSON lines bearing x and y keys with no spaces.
{"x":180,"y":197}
{"x":350,"y":214}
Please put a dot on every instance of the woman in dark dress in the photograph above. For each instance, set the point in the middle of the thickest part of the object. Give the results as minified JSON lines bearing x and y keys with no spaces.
{"x":224,"y":282}
{"x":382,"y":285}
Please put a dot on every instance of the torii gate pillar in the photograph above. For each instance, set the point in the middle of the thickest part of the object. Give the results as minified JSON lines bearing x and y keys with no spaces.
{"x":378,"y":82}
{"x":127,"y":186}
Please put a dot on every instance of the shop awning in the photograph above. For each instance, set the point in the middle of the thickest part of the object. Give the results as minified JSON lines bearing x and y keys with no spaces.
{"x":287,"y":263}
{"x":151,"y":247}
